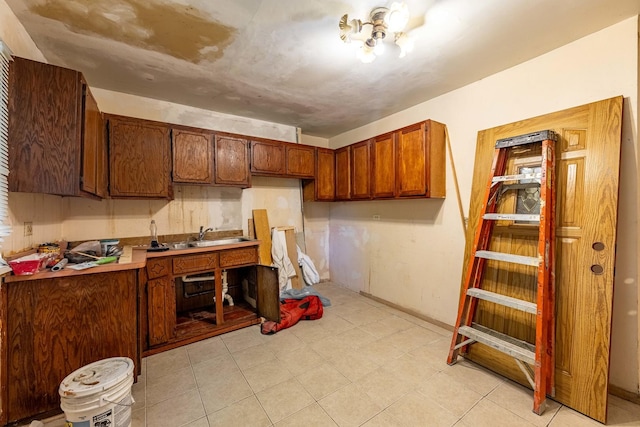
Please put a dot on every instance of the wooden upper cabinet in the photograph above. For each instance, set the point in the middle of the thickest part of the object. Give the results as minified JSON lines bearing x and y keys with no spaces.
{"x":53,"y":123}
{"x":192,"y":156}
{"x":93,"y":178}
{"x":267,"y":158}
{"x":300,"y":161}
{"x":360,"y":171}
{"x":383,"y":166}
{"x":323,"y":187}
{"x":343,"y":173}
{"x":232,"y":161}
{"x":139,"y":158}
{"x":420,"y":160}
{"x":325,"y":183}
{"x":283,"y":159}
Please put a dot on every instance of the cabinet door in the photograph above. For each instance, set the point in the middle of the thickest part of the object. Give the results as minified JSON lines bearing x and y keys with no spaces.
{"x":161,"y":306}
{"x":300,"y":161}
{"x":44,"y":128}
{"x":436,"y":159}
{"x":232,"y":161}
{"x":93,"y":146}
{"x":411,"y":173}
{"x":192,"y":157}
{"x":268,"y":290}
{"x":343,"y":173}
{"x":267,"y":158}
{"x":360,"y":171}
{"x":325,"y":184}
{"x":139,"y":158}
{"x":55,"y":326}
{"x":383,"y":165}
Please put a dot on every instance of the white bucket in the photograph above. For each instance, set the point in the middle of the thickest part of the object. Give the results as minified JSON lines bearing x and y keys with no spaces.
{"x":99,"y":394}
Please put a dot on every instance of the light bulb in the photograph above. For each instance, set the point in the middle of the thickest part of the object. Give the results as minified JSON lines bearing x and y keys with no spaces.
{"x":379,"y":48}
{"x":365,"y":54}
{"x":398,"y":17}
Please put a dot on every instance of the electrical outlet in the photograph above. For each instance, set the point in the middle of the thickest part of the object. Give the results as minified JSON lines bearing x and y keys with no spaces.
{"x":376,"y":217}
{"x":28,"y":229}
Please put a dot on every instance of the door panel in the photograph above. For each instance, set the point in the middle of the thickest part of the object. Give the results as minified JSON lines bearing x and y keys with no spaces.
{"x":588,"y":157}
{"x":268,"y":299}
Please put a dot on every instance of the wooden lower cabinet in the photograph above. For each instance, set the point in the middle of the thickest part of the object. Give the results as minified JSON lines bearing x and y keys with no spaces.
{"x":184,"y":302}
{"x":55,"y":326}
{"x":161,"y":308}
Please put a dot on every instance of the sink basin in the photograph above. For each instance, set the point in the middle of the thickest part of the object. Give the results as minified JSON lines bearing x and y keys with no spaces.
{"x":217,"y":242}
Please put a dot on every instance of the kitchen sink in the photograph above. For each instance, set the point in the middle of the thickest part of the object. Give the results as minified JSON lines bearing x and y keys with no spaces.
{"x":217,"y":242}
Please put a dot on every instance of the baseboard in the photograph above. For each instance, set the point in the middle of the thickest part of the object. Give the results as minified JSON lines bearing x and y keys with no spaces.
{"x":408,"y":311}
{"x":624,"y":394}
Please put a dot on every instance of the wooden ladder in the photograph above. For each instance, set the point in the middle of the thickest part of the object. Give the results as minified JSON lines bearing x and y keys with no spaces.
{"x":466,"y":332}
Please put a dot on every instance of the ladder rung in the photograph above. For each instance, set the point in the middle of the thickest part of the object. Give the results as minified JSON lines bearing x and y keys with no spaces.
{"x":516,"y":259}
{"x":528,"y":138}
{"x":511,"y":217}
{"x":516,"y":303}
{"x":507,"y":187}
{"x":516,"y":177}
{"x":514,"y":348}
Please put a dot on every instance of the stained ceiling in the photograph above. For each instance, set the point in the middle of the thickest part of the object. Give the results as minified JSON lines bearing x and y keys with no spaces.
{"x":283,"y":61}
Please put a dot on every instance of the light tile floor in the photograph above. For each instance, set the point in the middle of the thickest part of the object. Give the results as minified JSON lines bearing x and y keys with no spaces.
{"x":362,"y":364}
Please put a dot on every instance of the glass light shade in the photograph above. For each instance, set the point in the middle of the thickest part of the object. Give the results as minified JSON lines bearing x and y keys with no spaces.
{"x":397,"y":17}
{"x":405,"y":43}
{"x":365,"y":54}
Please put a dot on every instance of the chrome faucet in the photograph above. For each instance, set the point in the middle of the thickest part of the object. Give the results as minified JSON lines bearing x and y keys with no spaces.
{"x":202,"y":232}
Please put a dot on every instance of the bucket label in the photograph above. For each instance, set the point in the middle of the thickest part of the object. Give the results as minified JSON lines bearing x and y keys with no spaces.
{"x":103,"y":419}
{"x":77,"y":424}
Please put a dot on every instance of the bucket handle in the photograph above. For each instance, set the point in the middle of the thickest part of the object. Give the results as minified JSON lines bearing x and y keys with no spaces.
{"x":120,"y":404}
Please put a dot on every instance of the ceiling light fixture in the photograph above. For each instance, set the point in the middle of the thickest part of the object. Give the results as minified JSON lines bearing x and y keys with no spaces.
{"x":382,"y":20}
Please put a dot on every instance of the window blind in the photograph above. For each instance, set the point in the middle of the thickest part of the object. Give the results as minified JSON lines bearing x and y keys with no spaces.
{"x":5,"y":58}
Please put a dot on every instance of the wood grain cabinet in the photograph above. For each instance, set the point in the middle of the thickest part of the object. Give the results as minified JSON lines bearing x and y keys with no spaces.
{"x":232,"y":161}
{"x":192,"y":156}
{"x":56,"y":138}
{"x":343,"y":173}
{"x":300,"y":161}
{"x":183,"y":301}
{"x":420,"y":160}
{"x":139,"y":158}
{"x":360,"y":171}
{"x":323,"y":187}
{"x":160,"y":302}
{"x":268,"y":158}
{"x":55,"y":326}
{"x":282,"y":159}
{"x":383,"y":166}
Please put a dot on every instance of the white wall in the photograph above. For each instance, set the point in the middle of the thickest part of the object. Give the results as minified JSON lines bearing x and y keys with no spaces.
{"x":413,"y":255}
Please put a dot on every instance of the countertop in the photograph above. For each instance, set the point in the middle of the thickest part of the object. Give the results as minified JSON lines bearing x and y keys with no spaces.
{"x":139,"y":260}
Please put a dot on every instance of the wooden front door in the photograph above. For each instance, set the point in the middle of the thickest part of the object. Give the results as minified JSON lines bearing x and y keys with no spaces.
{"x":587,"y":167}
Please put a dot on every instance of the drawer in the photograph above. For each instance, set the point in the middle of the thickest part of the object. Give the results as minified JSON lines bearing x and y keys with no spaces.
{"x":243,"y":256}
{"x":158,"y":267}
{"x":195,"y":263}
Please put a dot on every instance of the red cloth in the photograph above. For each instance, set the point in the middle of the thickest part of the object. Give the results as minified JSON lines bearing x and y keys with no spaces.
{"x":292,"y":310}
